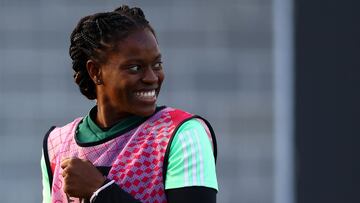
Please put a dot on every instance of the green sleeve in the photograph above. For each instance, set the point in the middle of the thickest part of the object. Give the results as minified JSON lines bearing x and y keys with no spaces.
{"x":45,"y":181}
{"x":191,"y":158}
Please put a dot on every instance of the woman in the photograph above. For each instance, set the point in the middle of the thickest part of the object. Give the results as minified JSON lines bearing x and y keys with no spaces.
{"x":127,"y":149}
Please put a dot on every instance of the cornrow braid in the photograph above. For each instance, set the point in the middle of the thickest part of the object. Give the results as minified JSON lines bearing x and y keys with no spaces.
{"x":93,"y":37}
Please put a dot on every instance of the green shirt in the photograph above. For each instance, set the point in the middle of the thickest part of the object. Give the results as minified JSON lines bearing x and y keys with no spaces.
{"x":191,"y":159}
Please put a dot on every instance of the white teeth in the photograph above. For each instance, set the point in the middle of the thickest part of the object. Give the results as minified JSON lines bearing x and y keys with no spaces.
{"x":146,"y":94}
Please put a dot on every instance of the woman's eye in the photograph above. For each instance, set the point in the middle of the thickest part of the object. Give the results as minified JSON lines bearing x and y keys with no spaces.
{"x":157,"y":65}
{"x":134,"y":68}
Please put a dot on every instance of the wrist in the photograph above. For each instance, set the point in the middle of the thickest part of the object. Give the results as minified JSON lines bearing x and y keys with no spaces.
{"x":97,"y":184}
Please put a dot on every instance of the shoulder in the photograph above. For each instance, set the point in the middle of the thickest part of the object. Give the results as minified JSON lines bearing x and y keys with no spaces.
{"x":194,"y":130}
{"x":193,"y":124}
{"x":185,"y":122}
{"x":175,"y":114}
{"x":191,"y":157}
{"x":58,"y":131}
{"x":182,"y":117}
{"x":56,"y":135}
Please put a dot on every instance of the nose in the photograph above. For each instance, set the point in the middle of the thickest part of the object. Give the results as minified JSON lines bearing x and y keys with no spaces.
{"x":150,"y":76}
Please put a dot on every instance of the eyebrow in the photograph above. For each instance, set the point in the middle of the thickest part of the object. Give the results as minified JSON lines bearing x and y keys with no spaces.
{"x":139,"y":60}
{"x":158,"y":57}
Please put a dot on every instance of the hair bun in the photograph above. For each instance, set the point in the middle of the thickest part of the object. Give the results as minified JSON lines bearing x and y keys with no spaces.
{"x":134,"y":12}
{"x":122,"y":9}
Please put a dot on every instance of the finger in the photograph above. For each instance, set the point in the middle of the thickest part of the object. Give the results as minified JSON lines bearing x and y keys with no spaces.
{"x":64,"y":173}
{"x":65,"y":162}
{"x":88,"y":162}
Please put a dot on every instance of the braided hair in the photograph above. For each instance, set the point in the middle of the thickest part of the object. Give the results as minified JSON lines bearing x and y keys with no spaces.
{"x":95,"y":35}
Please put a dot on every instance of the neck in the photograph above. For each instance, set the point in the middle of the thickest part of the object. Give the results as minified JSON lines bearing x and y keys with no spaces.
{"x":106,"y":116}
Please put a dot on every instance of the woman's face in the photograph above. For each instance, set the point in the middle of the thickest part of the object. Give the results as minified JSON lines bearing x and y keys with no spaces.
{"x":132,"y":75}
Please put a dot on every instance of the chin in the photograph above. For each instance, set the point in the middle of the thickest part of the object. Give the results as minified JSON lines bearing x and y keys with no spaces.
{"x":146,"y":111}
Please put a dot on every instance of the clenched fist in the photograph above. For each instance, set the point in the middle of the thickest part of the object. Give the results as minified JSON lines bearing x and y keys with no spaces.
{"x":81,"y":178}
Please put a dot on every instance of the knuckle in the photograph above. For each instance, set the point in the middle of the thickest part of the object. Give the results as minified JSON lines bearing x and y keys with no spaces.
{"x":72,"y":162}
{"x":66,"y":189}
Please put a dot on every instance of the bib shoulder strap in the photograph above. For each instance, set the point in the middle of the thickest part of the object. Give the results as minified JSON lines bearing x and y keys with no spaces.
{"x":46,"y":155}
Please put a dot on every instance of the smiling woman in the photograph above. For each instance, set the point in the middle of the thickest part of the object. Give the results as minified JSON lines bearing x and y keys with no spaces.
{"x":127,"y":149}
{"x":129,"y":80}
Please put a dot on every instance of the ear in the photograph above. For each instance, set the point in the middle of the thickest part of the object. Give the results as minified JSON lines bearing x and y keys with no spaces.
{"x":94,"y":71}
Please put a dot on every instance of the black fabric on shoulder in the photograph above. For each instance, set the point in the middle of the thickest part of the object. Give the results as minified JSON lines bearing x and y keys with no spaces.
{"x":46,"y":156}
{"x":167,"y":152}
{"x":114,"y":194}
{"x":193,"y":194}
{"x":104,"y":169}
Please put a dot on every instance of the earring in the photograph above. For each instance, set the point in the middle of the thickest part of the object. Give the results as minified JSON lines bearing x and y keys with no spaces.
{"x":97,"y":81}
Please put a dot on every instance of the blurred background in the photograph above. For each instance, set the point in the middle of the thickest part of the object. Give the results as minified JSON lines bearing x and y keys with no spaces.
{"x":270,"y":92}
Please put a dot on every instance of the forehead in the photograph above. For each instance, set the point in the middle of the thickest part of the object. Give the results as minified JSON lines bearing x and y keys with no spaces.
{"x":140,"y":43}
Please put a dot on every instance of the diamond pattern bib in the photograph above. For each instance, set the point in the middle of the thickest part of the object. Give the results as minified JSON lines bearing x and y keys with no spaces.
{"x":136,"y":157}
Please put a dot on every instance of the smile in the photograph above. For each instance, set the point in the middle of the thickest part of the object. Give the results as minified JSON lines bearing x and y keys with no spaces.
{"x":146,"y":95}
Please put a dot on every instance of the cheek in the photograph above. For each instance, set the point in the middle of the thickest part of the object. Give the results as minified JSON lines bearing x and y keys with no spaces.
{"x":120,"y":90}
{"x":161,"y":76}
{"x":126,"y":90}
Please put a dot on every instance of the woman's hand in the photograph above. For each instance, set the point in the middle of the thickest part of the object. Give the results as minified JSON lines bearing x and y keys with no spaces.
{"x":81,"y":178}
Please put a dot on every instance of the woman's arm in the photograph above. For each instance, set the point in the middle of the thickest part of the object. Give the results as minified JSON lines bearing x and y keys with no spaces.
{"x":193,"y":194}
{"x":113,"y":194}
{"x":191,"y":159}
{"x":82,"y":179}
{"x":191,"y":173}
